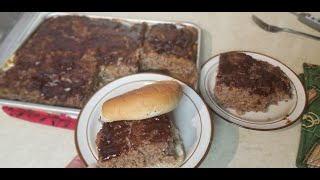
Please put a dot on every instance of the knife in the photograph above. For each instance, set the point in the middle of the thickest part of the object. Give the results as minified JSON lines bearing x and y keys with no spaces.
{"x":308,"y":19}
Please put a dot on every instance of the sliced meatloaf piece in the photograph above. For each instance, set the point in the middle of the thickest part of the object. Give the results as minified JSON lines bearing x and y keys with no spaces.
{"x":173,"y":48}
{"x":246,"y":84}
{"x":118,"y":47}
{"x":152,"y":142}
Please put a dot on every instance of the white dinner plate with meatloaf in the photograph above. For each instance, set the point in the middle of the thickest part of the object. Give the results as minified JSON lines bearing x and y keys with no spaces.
{"x":191,"y":117}
{"x":252,"y":90}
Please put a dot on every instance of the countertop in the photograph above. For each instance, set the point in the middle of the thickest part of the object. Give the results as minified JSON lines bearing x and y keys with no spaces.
{"x":25,"y":144}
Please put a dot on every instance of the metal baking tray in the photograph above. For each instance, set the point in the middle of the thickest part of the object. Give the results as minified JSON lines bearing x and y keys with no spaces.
{"x":30,"y":21}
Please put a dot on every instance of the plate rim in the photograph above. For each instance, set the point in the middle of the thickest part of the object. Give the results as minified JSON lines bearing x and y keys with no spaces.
{"x":256,"y":129}
{"x":150,"y":73}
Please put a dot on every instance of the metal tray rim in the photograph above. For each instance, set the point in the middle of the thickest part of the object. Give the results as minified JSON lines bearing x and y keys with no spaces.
{"x":41,"y":107}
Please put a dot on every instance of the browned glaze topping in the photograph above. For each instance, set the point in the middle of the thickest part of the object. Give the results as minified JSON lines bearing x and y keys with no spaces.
{"x":160,"y":71}
{"x":60,"y":59}
{"x":258,"y":77}
{"x":168,"y":39}
{"x":113,"y":49}
{"x":121,"y":136}
{"x":114,"y":27}
{"x":115,"y":42}
{"x":113,"y":139}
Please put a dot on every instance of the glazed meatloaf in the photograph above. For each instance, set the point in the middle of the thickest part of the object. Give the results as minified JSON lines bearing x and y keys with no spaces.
{"x":68,"y":58}
{"x":53,"y":66}
{"x":152,"y":142}
{"x":246,"y":84}
{"x":173,"y":49}
{"x":118,"y":48}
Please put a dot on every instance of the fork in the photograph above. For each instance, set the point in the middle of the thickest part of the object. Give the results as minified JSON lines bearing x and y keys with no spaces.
{"x":275,"y":29}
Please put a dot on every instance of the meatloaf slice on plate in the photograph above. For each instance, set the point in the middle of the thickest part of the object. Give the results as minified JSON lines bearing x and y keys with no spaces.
{"x":172,"y":48}
{"x":152,"y":142}
{"x":246,"y":84}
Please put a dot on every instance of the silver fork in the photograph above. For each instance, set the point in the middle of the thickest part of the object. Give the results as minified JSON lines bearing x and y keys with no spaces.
{"x":275,"y":29}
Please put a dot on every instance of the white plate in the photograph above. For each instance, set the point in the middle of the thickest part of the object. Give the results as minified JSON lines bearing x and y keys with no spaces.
{"x":277,"y":116}
{"x":191,"y":117}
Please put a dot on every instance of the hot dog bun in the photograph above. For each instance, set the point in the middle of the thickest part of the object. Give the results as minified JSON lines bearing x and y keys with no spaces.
{"x":149,"y":101}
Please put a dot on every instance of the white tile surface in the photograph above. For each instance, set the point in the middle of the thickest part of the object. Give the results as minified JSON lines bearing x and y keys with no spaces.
{"x":24,"y":144}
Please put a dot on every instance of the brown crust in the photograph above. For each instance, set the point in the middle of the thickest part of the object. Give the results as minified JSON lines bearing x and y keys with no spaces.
{"x":238,"y":70}
{"x":170,"y":40}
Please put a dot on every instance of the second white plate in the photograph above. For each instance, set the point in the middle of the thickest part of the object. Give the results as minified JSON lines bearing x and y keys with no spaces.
{"x":277,"y":116}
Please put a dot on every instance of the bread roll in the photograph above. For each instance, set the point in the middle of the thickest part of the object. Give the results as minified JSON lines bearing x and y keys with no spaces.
{"x":149,"y":101}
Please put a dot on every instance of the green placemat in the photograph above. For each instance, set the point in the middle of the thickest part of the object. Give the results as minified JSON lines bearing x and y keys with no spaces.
{"x":310,"y":130}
